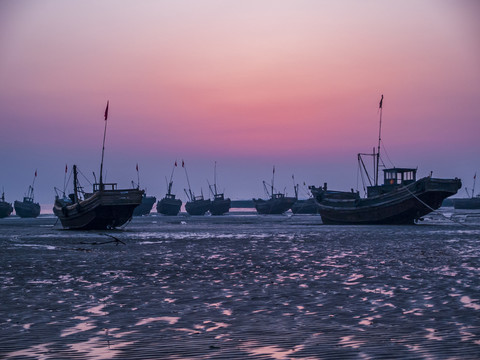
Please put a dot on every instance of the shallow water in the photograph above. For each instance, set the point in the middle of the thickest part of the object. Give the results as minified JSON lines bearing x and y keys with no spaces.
{"x":238,"y":286}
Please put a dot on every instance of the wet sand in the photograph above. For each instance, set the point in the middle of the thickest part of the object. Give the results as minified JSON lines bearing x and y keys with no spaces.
{"x":240,"y":286}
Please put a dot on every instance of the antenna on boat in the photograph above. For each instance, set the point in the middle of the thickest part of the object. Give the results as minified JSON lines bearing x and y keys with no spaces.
{"x":474,"y":180}
{"x":295,"y":186}
{"x":379,"y":140}
{"x":103,"y":147}
{"x":138,"y":177}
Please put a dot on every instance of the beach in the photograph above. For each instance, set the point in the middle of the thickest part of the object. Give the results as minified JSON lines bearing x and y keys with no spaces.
{"x":241,"y":286}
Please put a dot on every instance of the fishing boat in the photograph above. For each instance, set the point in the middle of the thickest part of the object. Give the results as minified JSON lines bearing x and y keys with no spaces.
{"x":28,"y":208}
{"x":278,"y":203}
{"x":106,"y":207}
{"x":169,"y":205}
{"x":147,"y":201}
{"x":469,"y":203}
{"x":196,"y":205}
{"x":219,"y":204}
{"x":401,"y":199}
{"x":304,"y":206}
{"x":5,"y":207}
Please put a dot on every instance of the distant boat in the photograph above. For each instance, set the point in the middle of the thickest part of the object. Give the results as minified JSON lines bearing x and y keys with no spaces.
{"x":402,"y":199}
{"x":278,"y":202}
{"x":5,"y":207}
{"x":169,"y":205}
{"x":196,"y":205}
{"x":147,"y":201}
{"x":472,"y":202}
{"x":307,"y":206}
{"x":28,"y":208}
{"x":105,"y":208}
{"x":219,"y":205}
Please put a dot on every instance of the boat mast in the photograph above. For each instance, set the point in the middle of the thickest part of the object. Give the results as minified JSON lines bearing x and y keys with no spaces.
{"x":379,"y":141}
{"x":474,"y":180}
{"x":273,"y":178}
{"x":215,"y":177}
{"x":75,"y":183}
{"x":103,"y":147}
{"x":188,"y":181}
{"x":169,"y":185}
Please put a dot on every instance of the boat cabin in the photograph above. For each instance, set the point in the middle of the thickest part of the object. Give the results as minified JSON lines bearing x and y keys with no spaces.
{"x":393,"y":178}
{"x":104,"y":186}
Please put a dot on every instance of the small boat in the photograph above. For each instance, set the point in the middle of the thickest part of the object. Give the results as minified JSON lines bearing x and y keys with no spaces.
{"x":469,"y":203}
{"x":402,"y":199}
{"x":5,"y":207}
{"x":278,"y":202}
{"x":169,"y":205}
{"x":106,"y":207}
{"x":196,"y":205}
{"x":306,"y":206}
{"x":219,"y":204}
{"x":147,"y":201}
{"x":28,"y":208}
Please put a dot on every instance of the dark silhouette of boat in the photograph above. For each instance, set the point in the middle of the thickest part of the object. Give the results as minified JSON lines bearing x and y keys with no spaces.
{"x":169,"y":205}
{"x":278,"y":202}
{"x":147,"y":201}
{"x":145,"y":206}
{"x":402,"y":199}
{"x":28,"y":208}
{"x":196,"y":205}
{"x":107,"y":207}
{"x":469,"y":203}
{"x":219,"y":204}
{"x":5,"y":207}
{"x":304,"y":206}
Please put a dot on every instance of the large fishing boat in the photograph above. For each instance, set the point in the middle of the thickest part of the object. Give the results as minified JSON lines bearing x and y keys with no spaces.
{"x":169,"y":205}
{"x":278,"y":203}
{"x":5,"y":207}
{"x":28,"y":208}
{"x":469,"y":203}
{"x":196,"y":205}
{"x":219,"y":204}
{"x":402,"y":199}
{"x":147,"y":201}
{"x":107,"y":207}
{"x":304,"y":206}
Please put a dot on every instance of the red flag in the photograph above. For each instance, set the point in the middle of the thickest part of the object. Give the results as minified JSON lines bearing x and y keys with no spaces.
{"x":66,"y":168}
{"x":183,"y":164}
{"x":106,"y":111}
{"x":137,"y":166}
{"x":175,"y":162}
{"x":381,"y":102}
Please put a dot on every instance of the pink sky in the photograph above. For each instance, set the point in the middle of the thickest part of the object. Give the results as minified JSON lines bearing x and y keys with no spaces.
{"x":249,"y":84}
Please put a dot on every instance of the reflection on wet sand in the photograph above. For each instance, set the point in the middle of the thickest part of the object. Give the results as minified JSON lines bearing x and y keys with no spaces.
{"x":228,"y":287}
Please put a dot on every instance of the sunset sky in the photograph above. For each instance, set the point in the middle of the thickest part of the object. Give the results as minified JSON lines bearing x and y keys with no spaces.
{"x":249,"y":84}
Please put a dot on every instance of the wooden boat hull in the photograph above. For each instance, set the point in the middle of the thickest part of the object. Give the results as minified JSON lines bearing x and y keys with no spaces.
{"x":197,"y":207}
{"x":27,"y":209}
{"x":145,"y":207}
{"x":404,"y":205}
{"x":468,"y":203}
{"x":274,"y":206}
{"x":5,"y":209}
{"x":220,"y":206}
{"x":169,"y":206}
{"x":101,"y":210}
{"x":308,"y":206}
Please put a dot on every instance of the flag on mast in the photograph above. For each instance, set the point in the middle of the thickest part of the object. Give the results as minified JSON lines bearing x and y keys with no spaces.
{"x":183,"y":164}
{"x":106,"y":111}
{"x":137,"y":167}
{"x":381,"y":102}
{"x":66,"y":168}
{"x":175,"y":163}
{"x":35,"y":173}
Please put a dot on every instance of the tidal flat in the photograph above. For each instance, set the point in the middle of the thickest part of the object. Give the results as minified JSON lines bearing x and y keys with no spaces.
{"x":240,"y":286}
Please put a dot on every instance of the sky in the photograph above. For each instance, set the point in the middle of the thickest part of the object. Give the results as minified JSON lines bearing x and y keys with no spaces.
{"x":248,"y":84}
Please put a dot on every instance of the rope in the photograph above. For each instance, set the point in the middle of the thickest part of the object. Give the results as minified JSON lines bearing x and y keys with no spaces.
{"x":432,"y":209}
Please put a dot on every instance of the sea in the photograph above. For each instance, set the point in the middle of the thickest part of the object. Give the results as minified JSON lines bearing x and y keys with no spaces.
{"x":241,"y":286}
